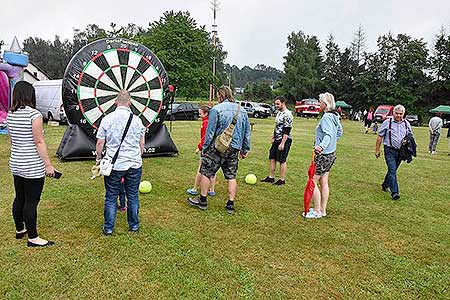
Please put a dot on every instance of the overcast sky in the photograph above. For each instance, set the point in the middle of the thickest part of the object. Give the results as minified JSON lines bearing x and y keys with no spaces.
{"x":252,"y":31}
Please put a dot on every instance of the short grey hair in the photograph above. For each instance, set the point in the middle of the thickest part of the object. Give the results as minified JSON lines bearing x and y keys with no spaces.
{"x":399,"y":107}
{"x":123,"y":97}
{"x":328,"y":99}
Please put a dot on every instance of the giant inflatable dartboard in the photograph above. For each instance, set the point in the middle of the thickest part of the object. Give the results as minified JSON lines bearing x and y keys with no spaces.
{"x":100,"y":70}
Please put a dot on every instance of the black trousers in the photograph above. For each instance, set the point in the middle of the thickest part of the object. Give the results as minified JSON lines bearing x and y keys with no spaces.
{"x":28,"y":194}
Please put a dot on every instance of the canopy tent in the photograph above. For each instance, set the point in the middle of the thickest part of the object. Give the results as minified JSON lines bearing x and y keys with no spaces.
{"x":343,"y":104}
{"x":445,"y":109}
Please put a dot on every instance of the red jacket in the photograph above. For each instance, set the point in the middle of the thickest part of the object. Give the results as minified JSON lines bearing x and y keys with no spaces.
{"x":202,"y":133}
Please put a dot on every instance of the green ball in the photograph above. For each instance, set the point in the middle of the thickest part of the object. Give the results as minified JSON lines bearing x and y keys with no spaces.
{"x":250,"y":179}
{"x":145,"y":187}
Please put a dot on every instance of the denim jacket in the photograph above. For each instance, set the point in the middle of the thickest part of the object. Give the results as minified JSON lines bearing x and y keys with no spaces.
{"x":220,"y":116}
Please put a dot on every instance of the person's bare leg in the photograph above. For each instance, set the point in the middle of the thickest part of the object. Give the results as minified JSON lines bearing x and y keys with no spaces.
{"x":316,"y":195}
{"x":283,"y":169}
{"x":198,"y":177}
{"x":272,"y":167}
{"x":212,"y":184}
{"x":232,"y":189}
{"x":204,"y":183}
{"x":324,"y":192}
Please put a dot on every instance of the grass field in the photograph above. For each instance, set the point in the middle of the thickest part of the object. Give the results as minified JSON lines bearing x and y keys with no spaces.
{"x":369,"y":247}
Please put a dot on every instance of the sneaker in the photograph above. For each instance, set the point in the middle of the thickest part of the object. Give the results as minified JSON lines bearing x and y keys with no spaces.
{"x":385,"y":188}
{"x":279,"y":182}
{"x":268,"y":179}
{"x":197,"y":203}
{"x":211,"y":193}
{"x":133,"y":230}
{"x":192,"y":192}
{"x":107,"y":232}
{"x":311,"y":215}
{"x":433,"y":152}
{"x":230,"y":208}
{"x":395,"y":196}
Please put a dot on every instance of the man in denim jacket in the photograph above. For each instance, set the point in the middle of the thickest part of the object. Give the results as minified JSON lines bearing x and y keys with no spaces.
{"x":220,"y":117}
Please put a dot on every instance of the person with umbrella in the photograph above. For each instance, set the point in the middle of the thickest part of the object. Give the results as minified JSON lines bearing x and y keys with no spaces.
{"x":328,"y":132}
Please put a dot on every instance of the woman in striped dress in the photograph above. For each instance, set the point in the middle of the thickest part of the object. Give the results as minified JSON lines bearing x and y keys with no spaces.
{"x":29,"y":162}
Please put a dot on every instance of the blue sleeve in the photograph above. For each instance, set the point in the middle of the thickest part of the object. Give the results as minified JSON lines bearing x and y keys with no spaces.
{"x":327,"y":129}
{"x":211,"y":129}
{"x":246,"y":141}
{"x":383,"y":128}
{"x":340,"y":130}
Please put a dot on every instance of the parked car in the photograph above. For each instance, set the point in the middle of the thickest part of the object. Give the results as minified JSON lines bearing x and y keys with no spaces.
{"x":383,"y":112}
{"x":182,"y":111}
{"x":273,"y":110}
{"x":307,"y":108}
{"x":414,"y":120}
{"x":49,"y":100}
{"x":255,"y":110}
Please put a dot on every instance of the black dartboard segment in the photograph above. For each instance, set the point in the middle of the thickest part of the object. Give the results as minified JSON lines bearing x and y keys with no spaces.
{"x":100,"y":70}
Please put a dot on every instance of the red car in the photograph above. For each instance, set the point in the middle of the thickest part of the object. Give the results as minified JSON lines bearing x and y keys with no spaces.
{"x":307,"y":107}
{"x":383,"y":112}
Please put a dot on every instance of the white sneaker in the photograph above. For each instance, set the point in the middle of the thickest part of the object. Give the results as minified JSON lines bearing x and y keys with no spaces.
{"x":433,"y":152}
{"x":312,"y":215}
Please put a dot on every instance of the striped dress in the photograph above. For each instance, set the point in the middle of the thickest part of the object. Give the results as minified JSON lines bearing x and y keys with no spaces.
{"x":25,"y":160}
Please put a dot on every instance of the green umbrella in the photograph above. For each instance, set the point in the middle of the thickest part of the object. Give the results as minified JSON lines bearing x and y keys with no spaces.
{"x":343,"y":104}
{"x":445,"y":109}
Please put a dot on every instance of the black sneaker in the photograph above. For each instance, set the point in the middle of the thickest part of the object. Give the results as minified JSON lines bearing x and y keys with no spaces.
{"x":107,"y":232}
{"x":230,"y":208}
{"x":395,"y":196}
{"x":279,"y":182}
{"x":133,"y":230}
{"x":385,"y":188}
{"x":197,"y":203}
{"x":268,"y":179}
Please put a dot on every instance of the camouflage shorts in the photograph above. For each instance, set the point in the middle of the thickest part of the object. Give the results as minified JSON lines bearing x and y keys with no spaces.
{"x":212,"y":160}
{"x":324,"y":162}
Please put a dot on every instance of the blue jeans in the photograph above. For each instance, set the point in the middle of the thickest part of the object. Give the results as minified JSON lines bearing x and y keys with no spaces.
{"x":112,"y":186}
{"x":391,"y":155}
{"x":122,"y":195}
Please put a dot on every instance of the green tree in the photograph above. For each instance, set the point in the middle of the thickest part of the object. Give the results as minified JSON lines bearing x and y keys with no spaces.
{"x":263,"y":91}
{"x":248,"y":91}
{"x":358,"y":45}
{"x":51,"y":57}
{"x":332,"y":70}
{"x":303,"y":66}
{"x":185,"y":51}
{"x":440,"y":60}
{"x":91,"y":33}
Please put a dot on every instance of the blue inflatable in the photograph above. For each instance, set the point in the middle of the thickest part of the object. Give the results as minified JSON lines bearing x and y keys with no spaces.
{"x":15,"y":59}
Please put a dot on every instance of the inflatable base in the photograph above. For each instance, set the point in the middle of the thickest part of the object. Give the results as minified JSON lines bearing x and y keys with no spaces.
{"x":77,"y":145}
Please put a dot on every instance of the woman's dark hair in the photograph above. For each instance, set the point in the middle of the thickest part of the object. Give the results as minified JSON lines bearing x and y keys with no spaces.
{"x":23,"y":95}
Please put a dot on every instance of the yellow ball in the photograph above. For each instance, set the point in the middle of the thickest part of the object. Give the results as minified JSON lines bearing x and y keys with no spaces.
{"x":145,"y":187}
{"x":250,"y":179}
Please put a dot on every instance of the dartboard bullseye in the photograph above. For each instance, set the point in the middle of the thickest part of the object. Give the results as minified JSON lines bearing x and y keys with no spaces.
{"x":100,"y":70}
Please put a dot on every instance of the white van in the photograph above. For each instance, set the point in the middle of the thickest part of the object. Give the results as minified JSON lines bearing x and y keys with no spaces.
{"x":49,"y":100}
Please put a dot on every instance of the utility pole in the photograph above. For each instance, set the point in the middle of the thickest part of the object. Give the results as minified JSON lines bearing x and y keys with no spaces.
{"x":215,"y":8}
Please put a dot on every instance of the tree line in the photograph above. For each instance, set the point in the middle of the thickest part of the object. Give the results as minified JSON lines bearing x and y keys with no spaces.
{"x":184,"y":48}
{"x":401,"y":70}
